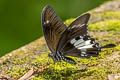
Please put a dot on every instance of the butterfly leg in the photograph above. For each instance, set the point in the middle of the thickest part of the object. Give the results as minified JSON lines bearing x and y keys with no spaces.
{"x":56,"y":57}
{"x":69,"y":60}
{"x":54,"y":61}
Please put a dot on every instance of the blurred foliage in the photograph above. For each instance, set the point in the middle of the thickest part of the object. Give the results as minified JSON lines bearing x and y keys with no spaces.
{"x":20,"y":21}
{"x":106,"y":26}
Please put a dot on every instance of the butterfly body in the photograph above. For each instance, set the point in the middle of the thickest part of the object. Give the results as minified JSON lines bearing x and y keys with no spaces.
{"x":66,"y":41}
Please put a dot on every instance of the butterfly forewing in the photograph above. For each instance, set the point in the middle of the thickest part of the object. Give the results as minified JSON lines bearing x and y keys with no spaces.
{"x":53,"y":27}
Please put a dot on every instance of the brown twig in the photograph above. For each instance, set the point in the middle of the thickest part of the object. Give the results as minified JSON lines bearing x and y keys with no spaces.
{"x":30,"y":73}
{"x":4,"y":77}
{"x":41,"y":68}
{"x":27,"y":75}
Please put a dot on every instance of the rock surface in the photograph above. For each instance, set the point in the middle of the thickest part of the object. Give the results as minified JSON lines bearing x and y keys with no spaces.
{"x":104,"y":25}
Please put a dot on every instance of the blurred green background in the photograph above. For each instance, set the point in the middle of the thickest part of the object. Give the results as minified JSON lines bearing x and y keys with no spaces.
{"x":20,"y":20}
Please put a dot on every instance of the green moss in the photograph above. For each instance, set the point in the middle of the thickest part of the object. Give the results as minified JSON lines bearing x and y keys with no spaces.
{"x":117,"y":48}
{"x":38,"y":78}
{"x":16,"y":71}
{"x":110,"y":15}
{"x":20,"y":61}
{"x":40,"y":60}
{"x":108,"y":25}
{"x":63,"y":70}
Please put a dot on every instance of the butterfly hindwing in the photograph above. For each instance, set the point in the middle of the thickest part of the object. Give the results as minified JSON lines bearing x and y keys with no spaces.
{"x":76,"y":42}
{"x":83,"y":47}
{"x":74,"y":30}
{"x":53,"y":27}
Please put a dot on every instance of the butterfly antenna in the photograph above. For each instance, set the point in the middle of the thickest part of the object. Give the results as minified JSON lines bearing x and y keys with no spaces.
{"x":109,"y":46}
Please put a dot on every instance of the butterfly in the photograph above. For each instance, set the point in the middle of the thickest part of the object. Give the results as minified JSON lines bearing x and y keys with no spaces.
{"x":66,"y":41}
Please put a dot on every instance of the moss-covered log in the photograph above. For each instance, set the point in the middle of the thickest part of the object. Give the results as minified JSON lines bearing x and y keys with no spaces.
{"x":104,"y":25}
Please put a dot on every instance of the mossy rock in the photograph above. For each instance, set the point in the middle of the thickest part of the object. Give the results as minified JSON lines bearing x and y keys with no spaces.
{"x":105,"y":30}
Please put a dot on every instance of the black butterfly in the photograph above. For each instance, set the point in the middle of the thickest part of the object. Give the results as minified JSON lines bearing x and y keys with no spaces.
{"x":66,"y":41}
